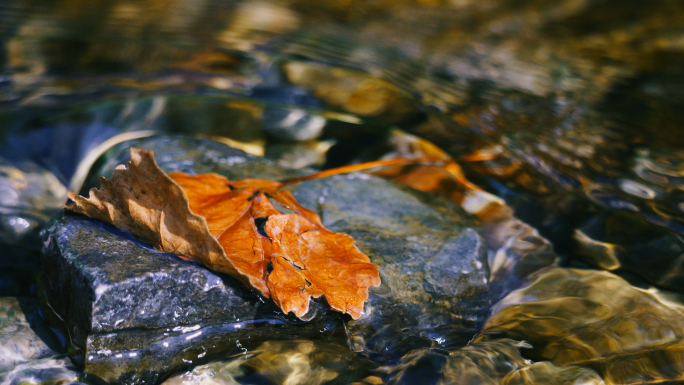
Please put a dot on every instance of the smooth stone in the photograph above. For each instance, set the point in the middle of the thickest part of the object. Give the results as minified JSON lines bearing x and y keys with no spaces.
{"x":432,"y":259}
{"x":28,"y":351}
{"x":133,"y":313}
{"x":597,"y":320}
{"x":543,"y":373}
{"x":620,"y":242}
{"x":29,"y":197}
{"x":486,"y":363}
{"x":23,"y":338}
{"x":496,"y":362}
{"x":47,"y":371}
{"x":190,"y":155}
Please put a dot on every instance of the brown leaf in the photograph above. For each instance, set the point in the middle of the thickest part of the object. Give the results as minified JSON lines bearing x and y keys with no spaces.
{"x":446,"y":179}
{"x":145,"y":201}
{"x":232,"y":227}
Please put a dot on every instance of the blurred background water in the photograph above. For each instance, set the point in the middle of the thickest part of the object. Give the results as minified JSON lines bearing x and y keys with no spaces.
{"x":570,"y":111}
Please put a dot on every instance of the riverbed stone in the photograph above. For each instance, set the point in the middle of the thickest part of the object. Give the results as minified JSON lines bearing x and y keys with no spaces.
{"x":431,"y":256}
{"x":29,"y":196}
{"x":46,"y":371}
{"x":22,"y":335}
{"x":596,"y":320}
{"x":486,"y":363}
{"x":133,"y":313}
{"x":283,"y":362}
{"x":29,"y":354}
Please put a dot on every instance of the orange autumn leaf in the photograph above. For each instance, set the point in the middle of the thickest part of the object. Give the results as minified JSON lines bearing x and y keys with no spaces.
{"x":287,"y":257}
{"x":446,"y":179}
{"x":233,"y":227}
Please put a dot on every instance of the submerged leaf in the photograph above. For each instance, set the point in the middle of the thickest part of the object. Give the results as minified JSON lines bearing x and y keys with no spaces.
{"x":232,"y":227}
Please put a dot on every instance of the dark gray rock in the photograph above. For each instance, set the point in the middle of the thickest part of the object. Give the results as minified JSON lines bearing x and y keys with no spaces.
{"x":132,"y":312}
{"x":432,"y":260}
{"x":192,"y":156}
{"x":433,"y":263}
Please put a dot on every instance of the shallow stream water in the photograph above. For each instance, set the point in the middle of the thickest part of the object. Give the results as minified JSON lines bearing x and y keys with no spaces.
{"x":565,"y":116}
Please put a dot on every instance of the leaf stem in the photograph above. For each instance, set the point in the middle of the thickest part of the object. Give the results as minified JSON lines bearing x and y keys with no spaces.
{"x":363,"y":166}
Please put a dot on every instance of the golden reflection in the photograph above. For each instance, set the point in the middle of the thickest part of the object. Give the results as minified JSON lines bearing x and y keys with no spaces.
{"x":595,"y":320}
{"x":352,"y":91}
{"x":546,"y":373}
{"x":281,"y":362}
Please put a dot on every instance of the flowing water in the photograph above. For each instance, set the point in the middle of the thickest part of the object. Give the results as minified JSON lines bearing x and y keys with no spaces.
{"x":566,"y":116}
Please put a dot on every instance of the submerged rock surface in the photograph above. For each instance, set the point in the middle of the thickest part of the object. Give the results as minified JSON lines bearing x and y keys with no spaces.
{"x":482,"y":363}
{"x":133,"y":310}
{"x":28,"y":352}
{"x":29,"y":197}
{"x":496,"y":362}
{"x":433,"y":263}
{"x":22,"y":336}
{"x":283,"y":362}
{"x":595,"y":320}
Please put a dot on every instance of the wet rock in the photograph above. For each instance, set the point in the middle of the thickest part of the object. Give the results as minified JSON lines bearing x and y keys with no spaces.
{"x":282,"y":362}
{"x":189,"y":155}
{"x":292,"y":124}
{"x":133,"y":313}
{"x":595,"y":320}
{"x":620,"y":242}
{"x":547,"y":373}
{"x":497,"y":362}
{"x":27,"y":350}
{"x":29,"y":197}
{"x":299,"y":155}
{"x":485,"y":363}
{"x":46,"y":371}
{"x":433,"y":261}
{"x":22,"y":336}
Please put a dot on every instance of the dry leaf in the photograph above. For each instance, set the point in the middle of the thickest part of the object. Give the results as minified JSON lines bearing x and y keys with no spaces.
{"x":287,"y":257}
{"x":233,"y":227}
{"x":145,"y":201}
{"x":446,"y":179}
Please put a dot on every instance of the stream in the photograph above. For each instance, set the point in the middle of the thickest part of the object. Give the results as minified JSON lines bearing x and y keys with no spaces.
{"x":550,"y":251}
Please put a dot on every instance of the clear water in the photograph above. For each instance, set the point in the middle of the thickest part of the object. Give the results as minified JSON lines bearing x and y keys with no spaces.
{"x":569,"y":111}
